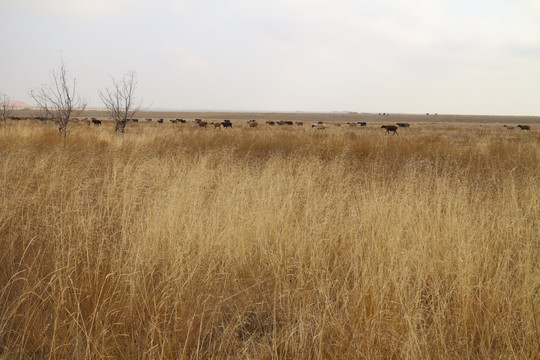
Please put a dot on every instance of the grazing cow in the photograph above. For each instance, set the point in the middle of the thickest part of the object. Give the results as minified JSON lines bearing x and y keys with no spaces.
{"x":96,"y":121}
{"x":509,"y":127}
{"x":173,"y":121}
{"x":319,"y":126}
{"x":226,"y":124}
{"x":320,"y":122}
{"x":403,"y":125}
{"x":216,"y":125}
{"x":202,"y":123}
{"x":160,"y":121}
{"x":271,"y":122}
{"x":252,"y":123}
{"x":361,"y":123}
{"x":148,"y":119}
{"x":182,"y":121}
{"x":299,"y":123}
{"x":390,"y":128}
{"x":352,"y":124}
{"x":135,"y":120}
{"x":524,"y":127}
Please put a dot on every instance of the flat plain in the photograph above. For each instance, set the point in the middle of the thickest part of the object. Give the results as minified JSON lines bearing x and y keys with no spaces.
{"x":272,"y":242}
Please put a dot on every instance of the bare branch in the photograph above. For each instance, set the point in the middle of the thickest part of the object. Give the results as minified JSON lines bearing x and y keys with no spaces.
{"x":58,"y":100}
{"x":6,"y":108}
{"x":120,"y":100}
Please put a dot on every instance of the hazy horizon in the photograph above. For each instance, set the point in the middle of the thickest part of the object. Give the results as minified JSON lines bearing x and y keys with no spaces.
{"x":446,"y":57}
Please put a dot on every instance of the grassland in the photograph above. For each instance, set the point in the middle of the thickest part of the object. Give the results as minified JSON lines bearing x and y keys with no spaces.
{"x":269,"y":243}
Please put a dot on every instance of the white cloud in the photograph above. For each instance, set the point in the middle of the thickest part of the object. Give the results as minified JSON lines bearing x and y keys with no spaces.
{"x":188,"y":61}
{"x":80,"y":8}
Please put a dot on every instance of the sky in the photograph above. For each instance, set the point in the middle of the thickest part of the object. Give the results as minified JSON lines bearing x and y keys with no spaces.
{"x":396,"y":56}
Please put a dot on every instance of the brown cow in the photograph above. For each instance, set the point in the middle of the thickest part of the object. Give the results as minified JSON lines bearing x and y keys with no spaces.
{"x":390,"y":128}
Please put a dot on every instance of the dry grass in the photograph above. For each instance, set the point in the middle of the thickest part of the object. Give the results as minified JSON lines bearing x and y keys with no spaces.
{"x":287,"y":243}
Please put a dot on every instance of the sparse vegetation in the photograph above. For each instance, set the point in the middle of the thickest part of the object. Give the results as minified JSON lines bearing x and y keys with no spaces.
{"x":274,"y":242}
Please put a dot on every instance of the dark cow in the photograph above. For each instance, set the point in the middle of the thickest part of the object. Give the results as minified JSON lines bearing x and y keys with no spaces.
{"x":361,"y":123}
{"x":160,"y":121}
{"x":226,"y":124}
{"x":404,"y":125}
{"x":271,"y":122}
{"x":135,"y":120}
{"x":390,"y":128}
{"x":524,"y":127}
{"x":299,"y":123}
{"x":202,"y":123}
{"x":96,"y":122}
{"x":216,"y":124}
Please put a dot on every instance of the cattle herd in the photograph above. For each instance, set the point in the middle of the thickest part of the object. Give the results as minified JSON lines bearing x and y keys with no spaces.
{"x":252,"y":124}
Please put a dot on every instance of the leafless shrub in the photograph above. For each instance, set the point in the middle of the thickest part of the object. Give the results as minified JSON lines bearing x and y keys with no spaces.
{"x":120,"y":100}
{"x":59,"y":99}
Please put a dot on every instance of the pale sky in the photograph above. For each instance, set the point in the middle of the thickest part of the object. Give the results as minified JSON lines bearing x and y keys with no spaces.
{"x":398,"y":56}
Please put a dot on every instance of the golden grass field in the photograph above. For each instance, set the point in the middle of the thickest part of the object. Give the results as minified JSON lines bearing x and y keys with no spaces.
{"x":271,"y":243}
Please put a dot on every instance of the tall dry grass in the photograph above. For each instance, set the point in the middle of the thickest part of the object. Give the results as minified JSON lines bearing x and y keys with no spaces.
{"x":186,"y":243}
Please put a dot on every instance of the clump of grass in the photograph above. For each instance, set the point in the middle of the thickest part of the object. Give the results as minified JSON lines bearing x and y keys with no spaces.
{"x":273,"y":243}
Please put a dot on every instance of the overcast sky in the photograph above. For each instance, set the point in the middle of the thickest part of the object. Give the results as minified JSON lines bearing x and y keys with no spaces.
{"x":406,"y":56}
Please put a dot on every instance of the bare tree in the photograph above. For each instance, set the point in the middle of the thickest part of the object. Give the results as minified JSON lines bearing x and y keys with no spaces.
{"x":6,"y":108}
{"x":120,"y":100}
{"x":58,"y":100}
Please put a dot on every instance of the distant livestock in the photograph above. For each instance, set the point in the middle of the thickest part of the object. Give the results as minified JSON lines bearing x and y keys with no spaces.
{"x":226,"y":124}
{"x":160,"y":121}
{"x":299,"y":123}
{"x":351,"y":124}
{"x":202,"y":123}
{"x":361,"y":123}
{"x":390,"y":128}
{"x":216,"y":125}
{"x":252,"y":123}
{"x":524,"y":127}
{"x":319,"y":126}
{"x":271,"y":122}
{"x":148,"y":119}
{"x":404,"y":125}
{"x":135,"y":120}
{"x":96,"y":122}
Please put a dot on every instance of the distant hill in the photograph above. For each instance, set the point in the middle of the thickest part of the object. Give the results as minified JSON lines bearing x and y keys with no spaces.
{"x":16,"y":104}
